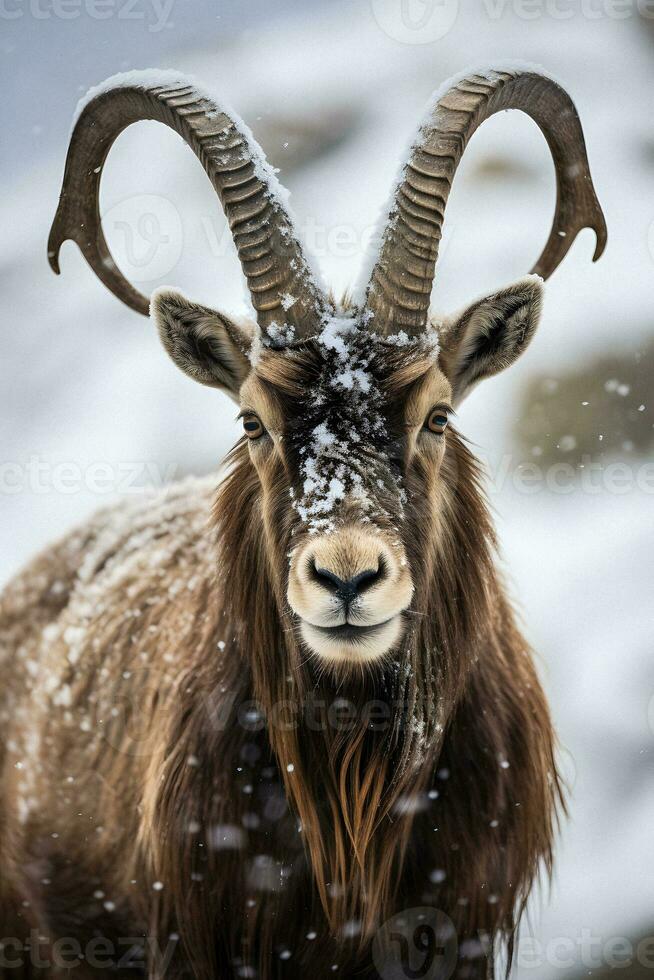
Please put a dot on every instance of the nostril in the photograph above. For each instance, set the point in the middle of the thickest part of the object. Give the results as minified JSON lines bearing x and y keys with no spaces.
{"x":372,"y":576}
{"x":326,"y":578}
{"x":364,"y":580}
{"x":348,"y":589}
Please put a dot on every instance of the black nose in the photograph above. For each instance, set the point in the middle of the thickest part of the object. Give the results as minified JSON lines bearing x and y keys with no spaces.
{"x":348,"y":589}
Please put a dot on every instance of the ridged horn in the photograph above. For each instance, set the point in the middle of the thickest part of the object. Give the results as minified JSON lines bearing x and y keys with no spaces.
{"x":400,"y":285}
{"x":281,"y":284}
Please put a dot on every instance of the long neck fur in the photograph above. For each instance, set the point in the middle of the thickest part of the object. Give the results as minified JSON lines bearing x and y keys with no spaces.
{"x":364,"y":835}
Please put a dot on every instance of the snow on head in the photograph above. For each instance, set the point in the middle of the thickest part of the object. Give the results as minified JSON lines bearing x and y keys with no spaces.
{"x":279,"y":335}
{"x":346,"y":453}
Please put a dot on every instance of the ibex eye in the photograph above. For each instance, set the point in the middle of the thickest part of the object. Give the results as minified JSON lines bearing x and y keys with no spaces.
{"x":252,"y":426}
{"x":437,"y":420}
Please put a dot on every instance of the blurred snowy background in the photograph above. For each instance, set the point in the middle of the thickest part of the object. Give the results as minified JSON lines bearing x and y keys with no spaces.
{"x":91,"y":408}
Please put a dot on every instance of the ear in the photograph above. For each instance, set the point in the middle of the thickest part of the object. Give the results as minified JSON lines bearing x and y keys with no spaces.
{"x":490,"y":335}
{"x":206,"y":345}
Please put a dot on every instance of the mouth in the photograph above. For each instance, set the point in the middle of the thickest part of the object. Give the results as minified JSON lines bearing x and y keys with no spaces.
{"x":349,"y":631}
{"x":353,"y":644}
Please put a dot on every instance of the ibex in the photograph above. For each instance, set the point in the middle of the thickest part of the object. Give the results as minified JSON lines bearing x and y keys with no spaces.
{"x":343,"y":724}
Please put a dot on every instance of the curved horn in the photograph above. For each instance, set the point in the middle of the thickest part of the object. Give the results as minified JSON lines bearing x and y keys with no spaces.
{"x":281,"y":284}
{"x":399,"y":289}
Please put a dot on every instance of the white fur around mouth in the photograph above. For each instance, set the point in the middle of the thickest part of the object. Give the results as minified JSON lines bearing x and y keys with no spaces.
{"x":350,"y":643}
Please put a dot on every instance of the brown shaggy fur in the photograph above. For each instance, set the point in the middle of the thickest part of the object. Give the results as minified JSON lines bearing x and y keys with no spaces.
{"x":174,"y":770}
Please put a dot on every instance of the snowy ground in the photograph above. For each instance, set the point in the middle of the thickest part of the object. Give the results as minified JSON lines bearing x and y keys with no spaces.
{"x":83,"y":380}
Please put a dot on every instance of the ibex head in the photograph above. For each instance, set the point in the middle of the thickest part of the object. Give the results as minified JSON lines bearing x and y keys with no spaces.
{"x":346,"y":411}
